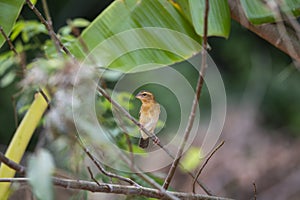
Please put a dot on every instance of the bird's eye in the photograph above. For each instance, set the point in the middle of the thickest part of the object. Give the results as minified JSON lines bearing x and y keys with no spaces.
{"x":144,"y":94}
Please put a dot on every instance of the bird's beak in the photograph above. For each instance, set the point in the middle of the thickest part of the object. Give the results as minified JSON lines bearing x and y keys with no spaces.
{"x":138,"y":96}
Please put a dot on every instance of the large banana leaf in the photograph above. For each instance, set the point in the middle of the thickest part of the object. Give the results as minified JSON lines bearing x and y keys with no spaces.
{"x":218,"y":17}
{"x":258,"y":12}
{"x":155,"y":32}
{"x":9,"y":12}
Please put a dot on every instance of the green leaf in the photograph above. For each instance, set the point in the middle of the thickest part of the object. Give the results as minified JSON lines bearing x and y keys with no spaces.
{"x":39,"y":172}
{"x":9,"y":12}
{"x":258,"y":12}
{"x":183,"y":7}
{"x":27,"y":29}
{"x":33,"y":1}
{"x":7,"y":79}
{"x":191,"y":159}
{"x":7,"y":73}
{"x":6,"y":62}
{"x":80,"y":22}
{"x":218,"y":17}
{"x":156,"y":33}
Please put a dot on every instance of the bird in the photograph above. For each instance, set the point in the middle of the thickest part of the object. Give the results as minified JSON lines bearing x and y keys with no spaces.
{"x":149,"y":115}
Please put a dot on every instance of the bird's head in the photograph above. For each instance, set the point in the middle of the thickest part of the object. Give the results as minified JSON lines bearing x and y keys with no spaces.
{"x":145,"y":96}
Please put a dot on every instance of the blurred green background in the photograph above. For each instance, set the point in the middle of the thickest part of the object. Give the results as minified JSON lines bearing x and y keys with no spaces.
{"x":253,"y":71}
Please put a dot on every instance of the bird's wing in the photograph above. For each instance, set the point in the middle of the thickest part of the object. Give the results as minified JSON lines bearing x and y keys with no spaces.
{"x":151,"y":124}
{"x":149,"y":121}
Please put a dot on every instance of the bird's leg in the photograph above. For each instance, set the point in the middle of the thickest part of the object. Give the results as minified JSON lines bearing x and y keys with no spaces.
{"x":156,"y":140}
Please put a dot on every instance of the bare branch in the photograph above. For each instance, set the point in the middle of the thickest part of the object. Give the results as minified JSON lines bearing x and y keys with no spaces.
{"x":11,"y":46}
{"x":92,"y":176}
{"x":117,"y":189}
{"x":49,"y":28}
{"x":205,"y":163}
{"x":11,"y":164}
{"x":101,"y":168}
{"x":48,"y":17}
{"x":254,"y":190}
{"x":268,"y":32}
{"x":195,"y":101}
{"x":13,"y":49}
{"x":141,"y":174}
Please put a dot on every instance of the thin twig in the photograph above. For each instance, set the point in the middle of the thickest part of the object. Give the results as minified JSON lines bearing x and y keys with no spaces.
{"x":92,"y":176}
{"x":49,"y":20}
{"x":101,"y":168}
{"x":13,"y":49}
{"x":117,"y":189}
{"x":11,"y":46}
{"x":49,"y":28}
{"x":195,"y":101}
{"x":254,"y":190}
{"x":47,"y":13}
{"x":205,"y":163}
{"x":11,"y":164}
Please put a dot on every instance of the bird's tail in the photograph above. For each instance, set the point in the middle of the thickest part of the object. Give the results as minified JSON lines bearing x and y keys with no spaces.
{"x":144,"y":143}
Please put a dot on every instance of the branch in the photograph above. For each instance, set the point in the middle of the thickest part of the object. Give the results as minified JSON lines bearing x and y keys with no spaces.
{"x":11,"y":46}
{"x":13,"y":49}
{"x":92,"y":176}
{"x":141,"y":174}
{"x":254,"y":190}
{"x":49,"y":21}
{"x":268,"y":32}
{"x":11,"y":164}
{"x":160,"y":191}
{"x":101,"y":168}
{"x":195,"y":101}
{"x":116,"y":189}
{"x":49,"y":28}
{"x":205,"y":163}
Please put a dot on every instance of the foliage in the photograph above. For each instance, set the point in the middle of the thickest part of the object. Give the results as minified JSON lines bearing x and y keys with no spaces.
{"x":259,"y":13}
{"x":10,"y":11}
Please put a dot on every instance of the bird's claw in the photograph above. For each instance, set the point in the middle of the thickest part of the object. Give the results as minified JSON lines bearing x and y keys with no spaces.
{"x":156,"y":140}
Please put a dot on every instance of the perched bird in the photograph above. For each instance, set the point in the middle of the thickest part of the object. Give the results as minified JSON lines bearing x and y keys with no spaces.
{"x":149,"y":114}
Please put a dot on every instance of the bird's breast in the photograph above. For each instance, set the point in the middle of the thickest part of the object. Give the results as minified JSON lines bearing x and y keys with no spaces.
{"x":149,"y":112}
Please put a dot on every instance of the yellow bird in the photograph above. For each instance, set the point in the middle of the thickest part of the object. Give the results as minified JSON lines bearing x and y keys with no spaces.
{"x":149,"y":115}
